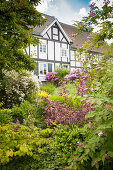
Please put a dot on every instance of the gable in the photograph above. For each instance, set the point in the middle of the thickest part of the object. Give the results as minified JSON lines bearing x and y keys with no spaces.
{"x":55,"y":32}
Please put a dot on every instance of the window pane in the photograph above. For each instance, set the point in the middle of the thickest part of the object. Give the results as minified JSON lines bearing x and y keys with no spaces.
{"x":41,"y":68}
{"x":40,"y":48}
{"x":64,"y":52}
{"x":45,"y":68}
{"x":55,"y":37}
{"x":49,"y":67}
{"x":55,"y":31}
{"x":44,"y":48}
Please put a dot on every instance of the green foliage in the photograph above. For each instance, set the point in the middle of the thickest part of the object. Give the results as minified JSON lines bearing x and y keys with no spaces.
{"x":22,"y":112}
{"x":16,"y":87}
{"x":63,"y":145}
{"x":18,"y":19}
{"x":38,"y":114}
{"x":49,"y":87}
{"x":71,"y":88}
{"x":5,"y":116}
{"x":58,"y":98}
{"x":62,"y":72}
{"x":18,"y":141}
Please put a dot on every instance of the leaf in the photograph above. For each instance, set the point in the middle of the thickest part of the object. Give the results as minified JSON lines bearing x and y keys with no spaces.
{"x":89,"y":115}
{"x":110,"y":154}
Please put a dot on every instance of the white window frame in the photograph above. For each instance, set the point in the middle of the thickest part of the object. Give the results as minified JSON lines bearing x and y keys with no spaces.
{"x":43,"y":48}
{"x":63,"y":52}
{"x":41,"y":68}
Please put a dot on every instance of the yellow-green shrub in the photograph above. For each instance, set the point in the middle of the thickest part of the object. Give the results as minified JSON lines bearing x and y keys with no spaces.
{"x":18,"y":141}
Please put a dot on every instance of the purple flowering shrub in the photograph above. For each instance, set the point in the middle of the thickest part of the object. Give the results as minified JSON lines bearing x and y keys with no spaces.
{"x":76,"y":75}
{"x":73,"y":76}
{"x":58,"y":113}
{"x":52,"y":77}
{"x":68,"y":110}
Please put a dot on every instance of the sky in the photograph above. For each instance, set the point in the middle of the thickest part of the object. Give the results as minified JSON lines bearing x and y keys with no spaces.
{"x":66,"y":11}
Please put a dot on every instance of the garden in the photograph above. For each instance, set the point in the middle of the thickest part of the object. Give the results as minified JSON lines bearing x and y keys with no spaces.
{"x":64,"y":124}
{"x":67,"y":123}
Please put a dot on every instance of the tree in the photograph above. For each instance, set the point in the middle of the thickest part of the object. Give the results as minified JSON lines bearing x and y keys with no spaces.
{"x":18,"y":17}
{"x":97,"y":149}
{"x":101,"y":18}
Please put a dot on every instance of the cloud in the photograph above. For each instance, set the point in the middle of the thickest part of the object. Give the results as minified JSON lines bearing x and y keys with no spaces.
{"x":100,"y":3}
{"x":44,"y":5}
{"x":62,"y":10}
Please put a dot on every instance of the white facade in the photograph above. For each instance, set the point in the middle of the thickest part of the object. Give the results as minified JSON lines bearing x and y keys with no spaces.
{"x":53,"y":51}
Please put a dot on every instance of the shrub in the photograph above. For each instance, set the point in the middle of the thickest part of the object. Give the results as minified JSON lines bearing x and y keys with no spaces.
{"x":57,"y":76}
{"x":38,"y":114}
{"x":22,"y":112}
{"x":58,"y":113}
{"x":62,"y":147}
{"x":62,"y":72}
{"x":52,"y":78}
{"x":5,"y":116}
{"x":18,"y":142}
{"x":49,"y":87}
{"x":17,"y":87}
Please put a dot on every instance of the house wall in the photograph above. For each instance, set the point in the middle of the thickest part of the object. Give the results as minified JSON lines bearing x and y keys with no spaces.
{"x":53,"y":51}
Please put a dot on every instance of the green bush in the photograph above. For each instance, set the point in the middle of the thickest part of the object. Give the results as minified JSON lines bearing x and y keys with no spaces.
{"x":38,"y":114}
{"x":49,"y":87}
{"x":58,"y":98}
{"x":17,"y":87}
{"x":5,"y":116}
{"x":72,"y":89}
{"x":18,"y":143}
{"x":62,"y":147}
{"x":62,"y":72}
{"x":22,"y":112}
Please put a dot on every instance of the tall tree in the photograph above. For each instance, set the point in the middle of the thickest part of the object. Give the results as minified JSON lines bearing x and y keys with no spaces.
{"x":102,"y":18}
{"x":17,"y":18}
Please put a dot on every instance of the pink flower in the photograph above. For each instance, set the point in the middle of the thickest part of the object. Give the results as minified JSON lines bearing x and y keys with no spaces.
{"x":91,"y":127}
{"x":107,"y":106}
{"x":76,"y":159}
{"x":106,"y":156}
{"x":79,"y":144}
{"x":95,"y":162}
{"x":100,"y":133}
{"x":75,"y":153}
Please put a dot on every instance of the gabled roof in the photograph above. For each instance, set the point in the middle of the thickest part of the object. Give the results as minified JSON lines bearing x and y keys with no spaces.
{"x":38,"y":30}
{"x":67,"y":30}
{"x":81,"y":39}
{"x":78,"y":41}
{"x":50,"y":21}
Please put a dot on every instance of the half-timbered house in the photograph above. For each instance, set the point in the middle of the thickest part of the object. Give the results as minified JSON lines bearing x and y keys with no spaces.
{"x":57,"y":47}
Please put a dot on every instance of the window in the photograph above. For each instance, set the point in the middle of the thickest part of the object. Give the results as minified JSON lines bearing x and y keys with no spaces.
{"x":66,"y":66}
{"x":42,"y":48}
{"x":55,"y":37}
{"x":43,"y":68}
{"x":55,"y":33}
{"x":64,"y":53}
{"x":49,"y":67}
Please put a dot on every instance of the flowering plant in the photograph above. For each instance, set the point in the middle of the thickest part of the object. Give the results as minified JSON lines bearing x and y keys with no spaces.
{"x":52,"y":77}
